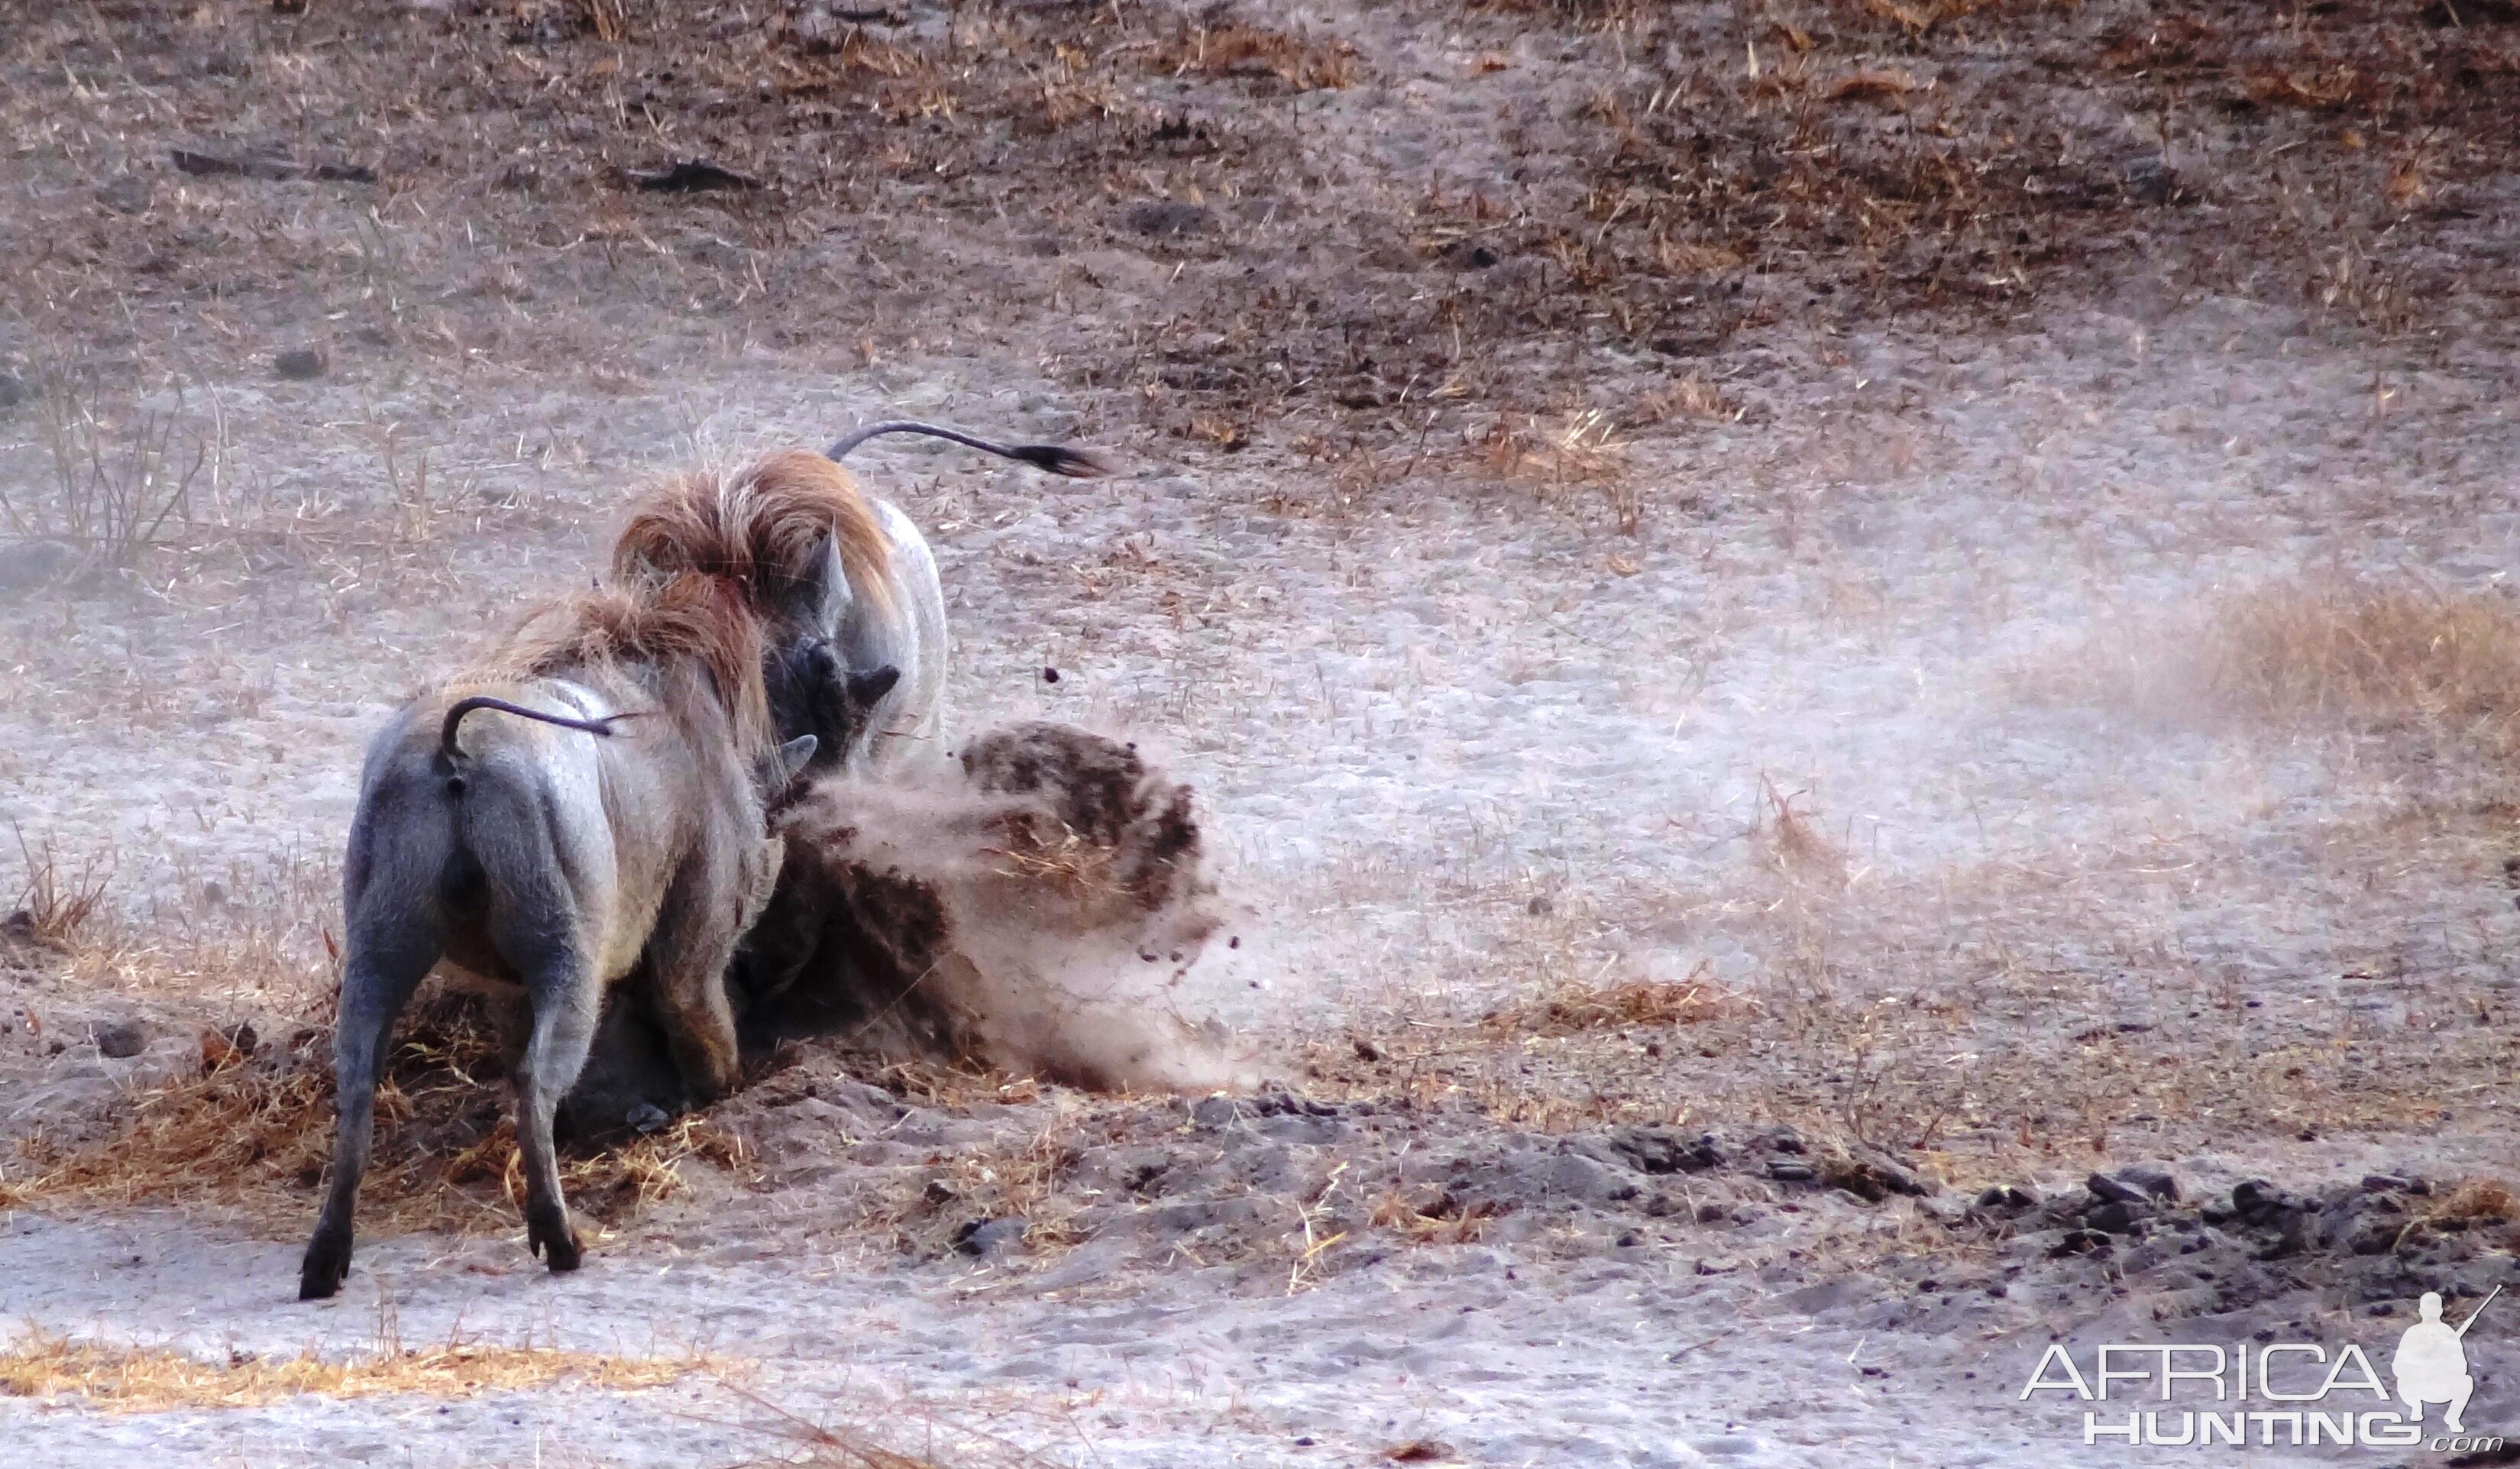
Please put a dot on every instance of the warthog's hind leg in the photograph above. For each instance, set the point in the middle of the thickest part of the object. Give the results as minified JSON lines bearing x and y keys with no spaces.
{"x":392,"y":947}
{"x":567,"y":1001}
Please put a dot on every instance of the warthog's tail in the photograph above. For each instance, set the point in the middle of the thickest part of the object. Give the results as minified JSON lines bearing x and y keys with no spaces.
{"x":1057,"y":459}
{"x":455,"y":716}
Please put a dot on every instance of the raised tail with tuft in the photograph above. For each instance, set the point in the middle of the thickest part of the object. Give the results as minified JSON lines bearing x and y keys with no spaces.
{"x":455,"y":716}
{"x":1057,"y":459}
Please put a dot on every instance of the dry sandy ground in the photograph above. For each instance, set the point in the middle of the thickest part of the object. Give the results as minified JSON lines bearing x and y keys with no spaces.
{"x":1868,"y":682}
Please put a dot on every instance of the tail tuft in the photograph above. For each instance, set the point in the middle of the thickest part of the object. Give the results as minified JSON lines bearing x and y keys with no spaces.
{"x":1058,"y":459}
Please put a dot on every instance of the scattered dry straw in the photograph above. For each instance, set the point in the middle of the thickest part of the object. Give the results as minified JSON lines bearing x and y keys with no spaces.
{"x":154,"y":1379}
{"x":1573,"y":1006}
{"x":1303,"y":65}
{"x":1000,"y":1179}
{"x":256,"y":1138}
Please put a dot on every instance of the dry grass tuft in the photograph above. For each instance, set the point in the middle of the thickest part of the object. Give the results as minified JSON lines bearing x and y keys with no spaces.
{"x":1917,"y":20}
{"x":58,"y":898}
{"x":1582,"y":450}
{"x":155,"y":1379}
{"x":1433,"y":1217}
{"x":2329,"y":648}
{"x":1573,"y":1006}
{"x":118,"y":488}
{"x":1871,"y":84}
{"x":1235,"y":50}
{"x":2475,"y":1201}
{"x":2392,"y":656}
{"x":1692,"y":396}
{"x":256,"y":1138}
{"x":1790,"y":841}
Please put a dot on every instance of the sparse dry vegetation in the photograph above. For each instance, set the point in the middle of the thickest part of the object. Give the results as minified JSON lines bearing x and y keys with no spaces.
{"x":117,"y":488}
{"x":1886,"y":338}
{"x":1731,"y":175}
{"x":1582,"y":451}
{"x":134,"y":1379}
{"x":1232,"y":49}
{"x":1020,"y":1179}
{"x":2370,"y":655}
{"x":2475,"y":1201}
{"x":1573,"y":1006}
{"x":254,"y":1134}
{"x":1790,"y":840}
{"x":59,"y":894}
{"x":2392,"y":653}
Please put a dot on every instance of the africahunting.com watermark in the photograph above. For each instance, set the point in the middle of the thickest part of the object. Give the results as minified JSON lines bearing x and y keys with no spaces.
{"x":2283,"y":1393}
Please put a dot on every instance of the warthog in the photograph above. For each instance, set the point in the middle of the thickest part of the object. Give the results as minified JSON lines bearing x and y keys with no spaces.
{"x":844,"y":578}
{"x":526,"y":852}
{"x":529,"y":853}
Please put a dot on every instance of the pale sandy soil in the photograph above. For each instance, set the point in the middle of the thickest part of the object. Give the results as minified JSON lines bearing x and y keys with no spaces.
{"x":1460,"y":740}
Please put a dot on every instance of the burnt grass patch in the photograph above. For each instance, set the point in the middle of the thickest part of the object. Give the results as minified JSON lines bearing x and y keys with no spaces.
{"x":1174,"y":213}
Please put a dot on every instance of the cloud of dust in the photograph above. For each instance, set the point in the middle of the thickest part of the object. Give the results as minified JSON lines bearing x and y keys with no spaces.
{"x":1037,"y":907}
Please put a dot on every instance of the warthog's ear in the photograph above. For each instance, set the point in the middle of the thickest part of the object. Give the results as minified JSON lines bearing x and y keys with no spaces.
{"x":866,"y":688}
{"x":781,"y":766}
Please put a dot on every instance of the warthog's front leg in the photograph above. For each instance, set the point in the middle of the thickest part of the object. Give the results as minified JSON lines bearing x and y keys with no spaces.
{"x":718,"y":894}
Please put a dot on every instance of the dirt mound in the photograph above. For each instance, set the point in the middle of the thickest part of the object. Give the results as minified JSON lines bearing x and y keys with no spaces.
{"x":2149,"y":1244}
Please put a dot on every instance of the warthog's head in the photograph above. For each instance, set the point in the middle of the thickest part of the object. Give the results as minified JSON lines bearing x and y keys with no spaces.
{"x":791,"y":530}
{"x":814,"y":691}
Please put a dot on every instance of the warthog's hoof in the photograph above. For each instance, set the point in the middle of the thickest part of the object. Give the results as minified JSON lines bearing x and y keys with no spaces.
{"x":551,"y":1237}
{"x":328,"y":1262}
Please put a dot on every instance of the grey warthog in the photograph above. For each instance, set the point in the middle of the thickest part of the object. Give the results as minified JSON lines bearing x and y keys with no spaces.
{"x":587,"y":808}
{"x":553,"y":847}
{"x":845,"y":577}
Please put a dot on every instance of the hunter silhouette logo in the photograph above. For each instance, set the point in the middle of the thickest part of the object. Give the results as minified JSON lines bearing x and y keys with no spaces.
{"x":2282,"y":1394}
{"x":2431,"y":1365}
